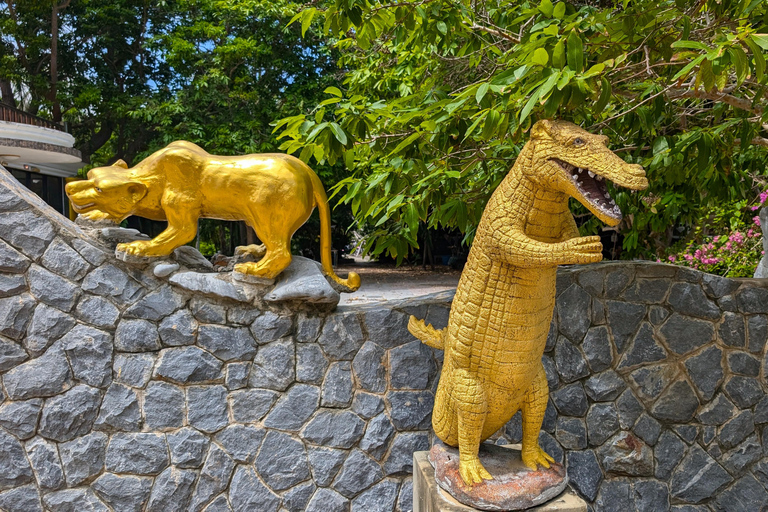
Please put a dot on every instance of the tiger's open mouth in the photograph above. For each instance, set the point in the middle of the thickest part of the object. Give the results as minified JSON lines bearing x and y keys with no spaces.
{"x":592,"y":187}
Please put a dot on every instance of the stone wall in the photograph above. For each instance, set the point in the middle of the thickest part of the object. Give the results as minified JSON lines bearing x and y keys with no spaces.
{"x":126,"y":391}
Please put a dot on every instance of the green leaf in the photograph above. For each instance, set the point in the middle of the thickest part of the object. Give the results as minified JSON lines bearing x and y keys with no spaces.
{"x":707,"y":76}
{"x":540,"y":57}
{"x":306,"y":154}
{"x":481,"y":91}
{"x":307,"y":16}
{"x":740,"y":63}
{"x":758,"y":57}
{"x":339,"y":134}
{"x":334,"y":91}
{"x":405,"y":143}
{"x":761,"y":40}
{"x":694,"y":45}
{"x":575,"y":52}
{"x":558,"y":55}
{"x":491,"y":123}
{"x":559,"y":10}
{"x":688,"y":67}
{"x":605,"y":96}
{"x":546,"y":8}
{"x":442,"y":27}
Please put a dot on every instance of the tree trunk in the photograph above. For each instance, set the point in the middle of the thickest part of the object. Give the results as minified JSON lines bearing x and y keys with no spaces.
{"x":6,"y":91}
{"x":53,"y":92}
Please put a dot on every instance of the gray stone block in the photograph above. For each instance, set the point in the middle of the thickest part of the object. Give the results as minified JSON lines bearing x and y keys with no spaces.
{"x":172,"y":491}
{"x":188,"y":447}
{"x":206,"y":312}
{"x":571,"y":400}
{"x":214,"y":477}
{"x":241,"y":442}
{"x":11,"y":260}
{"x":698,"y":477}
{"x":651,"y":496}
{"x":668,"y":453}
{"x":744,"y":391}
{"x":367,"y":405}
{"x":605,"y":386}
{"x":11,"y":285}
{"x":83,"y":458}
{"x":111,"y":282}
{"x":761,"y":411}
{"x":369,"y":367}
{"x":623,"y":319}
{"x":584,"y":473}
{"x":626,"y":454}
{"x":358,"y":473}
{"x":689,"y":299}
{"x":21,"y":499}
{"x":70,"y":414}
{"x":296,"y":499}
{"x":294,"y":408}
{"x":616,"y":281}
{"x":126,"y":493}
{"x":337,"y":429}
{"x":647,"y":429}
{"x":251,"y":405}
{"x":400,"y":456}
{"x":571,"y":433}
{"x":136,"y":336}
{"x":220,"y":504}
{"x":706,"y":371}
{"x":311,"y":364}
{"x":137,"y":453}
{"x":677,"y":404}
{"x":342,"y":336}
{"x":647,"y":291}
{"x":752,"y":299}
{"x":597,"y":349}
{"x":44,"y":458}
{"x":743,"y":456}
{"x":644,"y":349}
{"x":602,"y":423}
{"x":657,"y":315}
{"x":90,"y":355}
{"x":97,"y":311}
{"x":405,"y":498}
{"x":411,"y":366}
{"x":732,"y":330}
{"x":573,"y":315}
{"x":133,"y":370}
{"x":387,"y":328}
{"x":20,"y":418}
{"x":208,"y":284}
{"x":270,"y":326}
{"x":74,"y":500}
{"x":227,"y":343}
{"x":378,"y":433}
{"x":207,"y":408}
{"x":380,"y":496}
{"x":188,"y":365}
{"x":274,"y":366}
{"x":236,"y":375}
{"x":736,"y":430}
{"x":652,"y":380}
{"x":308,"y":328}
{"x":119,"y":410}
{"x":757,"y":329}
{"x":684,"y":334}
{"x":615,"y":496}
{"x":93,"y":255}
{"x":282,"y":461}
{"x":553,"y":379}
{"x":716,"y":286}
{"x":744,"y":364}
{"x":65,"y":261}
{"x":337,"y":388}
{"x":14,"y":466}
{"x":11,"y":354}
{"x":247,"y":493}
{"x":411,"y":410}
{"x":325,"y":500}
{"x":47,"y":325}
{"x":746,"y":495}
{"x":15,"y":314}
{"x":569,"y":361}
{"x":325,"y":463}
{"x":163,"y":406}
{"x":27,"y":231}
{"x":242,"y":315}
{"x":156,"y":305}
{"x":178,"y":329}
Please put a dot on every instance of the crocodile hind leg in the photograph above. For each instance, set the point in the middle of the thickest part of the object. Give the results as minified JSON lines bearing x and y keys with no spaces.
{"x":471,"y":408}
{"x":534,"y":407}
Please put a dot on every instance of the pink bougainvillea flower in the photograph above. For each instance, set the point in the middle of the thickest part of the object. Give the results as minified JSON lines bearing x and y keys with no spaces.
{"x":672,"y":258}
{"x":763,"y":196}
{"x":756,"y":220}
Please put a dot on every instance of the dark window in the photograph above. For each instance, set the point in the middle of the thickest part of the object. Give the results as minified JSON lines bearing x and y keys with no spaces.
{"x":49,"y":188}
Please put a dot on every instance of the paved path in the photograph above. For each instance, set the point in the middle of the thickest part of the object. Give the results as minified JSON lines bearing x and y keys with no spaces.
{"x":380,"y":283}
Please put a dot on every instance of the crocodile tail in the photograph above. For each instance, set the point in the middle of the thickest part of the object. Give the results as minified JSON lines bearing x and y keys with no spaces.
{"x":428,"y":335}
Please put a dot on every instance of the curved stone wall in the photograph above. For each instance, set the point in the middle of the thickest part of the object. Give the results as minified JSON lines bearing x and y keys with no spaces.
{"x":125,"y":391}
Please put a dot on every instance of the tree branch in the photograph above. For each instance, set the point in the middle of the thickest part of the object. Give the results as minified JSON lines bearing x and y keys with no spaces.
{"x":734,"y":101}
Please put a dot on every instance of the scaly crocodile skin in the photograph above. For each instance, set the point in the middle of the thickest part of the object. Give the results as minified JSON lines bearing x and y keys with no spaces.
{"x":503,"y":306}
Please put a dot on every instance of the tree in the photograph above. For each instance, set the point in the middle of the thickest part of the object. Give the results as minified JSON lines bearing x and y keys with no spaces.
{"x":438,"y":96}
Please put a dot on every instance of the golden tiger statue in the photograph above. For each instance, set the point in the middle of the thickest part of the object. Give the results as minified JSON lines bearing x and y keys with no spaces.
{"x":273,"y":193}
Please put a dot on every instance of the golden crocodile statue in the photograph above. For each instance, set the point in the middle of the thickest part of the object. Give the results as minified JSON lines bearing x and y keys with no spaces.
{"x":503,"y":306}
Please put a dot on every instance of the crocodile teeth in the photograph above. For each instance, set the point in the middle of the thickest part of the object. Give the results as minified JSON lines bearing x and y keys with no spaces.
{"x":591,"y":174}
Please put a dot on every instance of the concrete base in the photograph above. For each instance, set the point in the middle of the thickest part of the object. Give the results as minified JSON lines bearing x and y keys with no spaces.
{"x":428,"y":497}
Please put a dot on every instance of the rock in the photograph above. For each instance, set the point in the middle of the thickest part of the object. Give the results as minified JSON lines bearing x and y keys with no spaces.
{"x":21,"y":499}
{"x":221,"y":504}
{"x":668,"y":453}
{"x":761,"y":411}
{"x":744,"y":391}
{"x":629,"y":409}
{"x":270,"y":326}
{"x":342,"y":336}
{"x":90,"y":355}
{"x":387,"y":328}
{"x":744,"y":364}
{"x":242,"y":442}
{"x":15,"y":313}
{"x":570,"y":363}
{"x":584,"y":473}
{"x":367,"y":405}
{"x":737,"y":429}
{"x":337,"y":429}
{"x":732,"y":330}
{"x":615,"y":496}
{"x":757,"y":328}
{"x":70,"y":414}
{"x":647,"y":291}
{"x":274,"y":366}
{"x":706,"y":371}
{"x":303,"y":281}
{"x":294,"y":408}
{"x":597,"y":349}
{"x":573,"y":316}
{"x":207,"y":408}
{"x":137,"y":453}
{"x":126,"y":493}
{"x":11,"y":260}
{"x":27,"y":231}
{"x":214,"y":477}
{"x":744,"y":455}
{"x":47,"y":325}
{"x":11,"y":354}
{"x":688,"y":433}
{"x":11,"y":285}
{"x":308,"y":328}
{"x":623,"y":318}
{"x":377,"y":436}
{"x":411,"y":410}
{"x":400,"y":456}
{"x":746,"y":495}
{"x":325,"y":500}
{"x":677,"y":404}
{"x":648,"y":429}
{"x":83,"y":457}
{"x":616,"y":281}
{"x":74,"y":500}
{"x":14,"y":466}
{"x":185,"y":365}
{"x":165,"y":269}
{"x":92,"y":255}
{"x":282,"y":461}
{"x":750,"y":299}
{"x":227,"y":343}
{"x":136,"y":336}
{"x":191,"y":257}
{"x":172,"y":491}
{"x":242,"y":315}
{"x":379,"y":497}
{"x":571,"y":433}
{"x":369,"y":367}
{"x":405,"y":498}
{"x":325,"y":463}
{"x":717,"y":412}
{"x":111,"y":282}
{"x":156,"y":305}
{"x":236,"y":375}
{"x":689,"y":299}
{"x":411,"y":366}
{"x":163,"y":406}
{"x":716,"y":286}
{"x":651,"y":496}
{"x":698,"y":477}
{"x":119,"y":409}
{"x":209,"y":284}
{"x":133,"y":370}
{"x":178,"y":329}
{"x":188,"y":446}
{"x":683,"y":334}
{"x":247,"y":493}
{"x":592,"y":281}
{"x":626,"y":454}
{"x":602,"y":423}
{"x":20,"y":418}
{"x":44,"y":458}
{"x":97,"y":311}
{"x":297,"y":498}
{"x":250,"y":405}
{"x":357,"y":474}
{"x":604,"y":387}
{"x":570,"y":400}
{"x":338,"y":386}
{"x":206,"y":312}
{"x":65,"y":261}
{"x":310,"y":363}
{"x":644,"y":349}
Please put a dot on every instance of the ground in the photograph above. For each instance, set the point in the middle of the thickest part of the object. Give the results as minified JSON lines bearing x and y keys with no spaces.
{"x":385,"y":281}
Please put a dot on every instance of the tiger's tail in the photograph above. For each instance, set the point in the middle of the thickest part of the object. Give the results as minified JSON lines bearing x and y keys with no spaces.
{"x":428,"y":335}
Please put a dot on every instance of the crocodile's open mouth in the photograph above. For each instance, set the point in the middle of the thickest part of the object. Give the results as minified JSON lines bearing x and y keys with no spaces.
{"x":593,"y":188}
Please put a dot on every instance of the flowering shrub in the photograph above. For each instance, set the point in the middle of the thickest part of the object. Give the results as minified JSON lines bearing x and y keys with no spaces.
{"x":734,"y":253}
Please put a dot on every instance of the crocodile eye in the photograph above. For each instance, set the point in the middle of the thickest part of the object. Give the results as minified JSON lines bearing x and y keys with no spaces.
{"x":578,"y":142}
{"x":98,"y":189}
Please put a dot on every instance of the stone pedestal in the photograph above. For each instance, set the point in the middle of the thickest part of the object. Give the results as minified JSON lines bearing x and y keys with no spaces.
{"x":428,"y":497}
